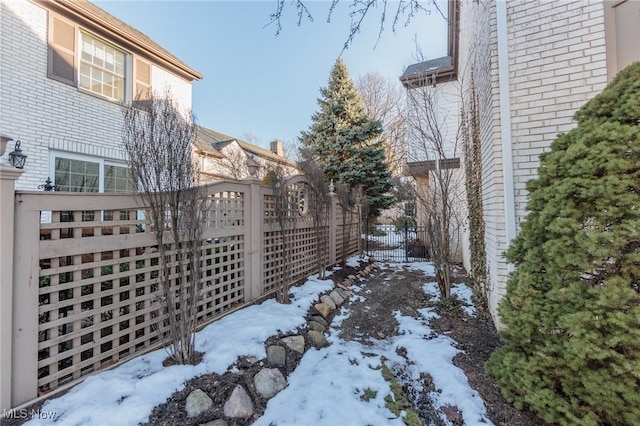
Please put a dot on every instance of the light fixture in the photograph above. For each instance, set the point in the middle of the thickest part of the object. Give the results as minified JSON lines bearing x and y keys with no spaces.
{"x":16,"y":157}
{"x":332,"y":188}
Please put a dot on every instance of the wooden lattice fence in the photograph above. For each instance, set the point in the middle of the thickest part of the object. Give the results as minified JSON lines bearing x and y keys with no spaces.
{"x":85,"y":275}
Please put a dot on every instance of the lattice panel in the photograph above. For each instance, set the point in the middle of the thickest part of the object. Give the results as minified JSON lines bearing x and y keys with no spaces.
{"x":225,"y":210}
{"x":95,"y":307}
{"x":99,"y":284}
{"x":222,"y":276}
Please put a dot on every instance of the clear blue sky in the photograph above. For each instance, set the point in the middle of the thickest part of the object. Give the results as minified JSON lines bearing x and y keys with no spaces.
{"x":266,"y":85}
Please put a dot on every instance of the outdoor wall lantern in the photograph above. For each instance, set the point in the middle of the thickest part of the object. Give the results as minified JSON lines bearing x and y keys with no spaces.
{"x":16,"y":157}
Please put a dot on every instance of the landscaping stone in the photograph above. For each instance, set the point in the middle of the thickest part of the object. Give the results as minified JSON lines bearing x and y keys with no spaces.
{"x":344,"y":286}
{"x":239,"y":404}
{"x":318,"y":339}
{"x":324,"y":309}
{"x":342,"y":293}
{"x":295,"y":343}
{"x":317,"y":326}
{"x":337,"y":299}
{"x":353,"y":278}
{"x":276,"y":355}
{"x":320,"y":320}
{"x":197,"y":403}
{"x":327,"y":300}
{"x":268,"y":382}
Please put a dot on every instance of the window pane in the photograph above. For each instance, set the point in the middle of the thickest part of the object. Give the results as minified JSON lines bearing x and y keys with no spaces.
{"x":77,"y":175}
{"x":117,"y":179}
{"x":102,"y":68}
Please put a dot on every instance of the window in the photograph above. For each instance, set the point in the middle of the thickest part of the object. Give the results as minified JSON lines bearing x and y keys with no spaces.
{"x":83,"y":60}
{"x":622,"y":32}
{"x":76,"y":173}
{"x":102,"y":68}
{"x":117,"y":179}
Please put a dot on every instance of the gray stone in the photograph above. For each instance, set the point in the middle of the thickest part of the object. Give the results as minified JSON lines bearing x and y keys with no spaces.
{"x":324,"y":309}
{"x":344,"y":285}
{"x":239,"y":405}
{"x":328,"y":301}
{"x":342,"y":293}
{"x":317,"y":326}
{"x":268,"y":382}
{"x":218,"y":422}
{"x":197,"y":403}
{"x":320,"y":320}
{"x":318,"y":339}
{"x":337,"y":299}
{"x":353,"y":278}
{"x":295,"y":343}
{"x":276,"y":355}
{"x":252,"y":359}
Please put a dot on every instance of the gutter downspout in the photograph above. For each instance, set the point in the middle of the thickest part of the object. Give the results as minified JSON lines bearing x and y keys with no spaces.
{"x":505,"y":122}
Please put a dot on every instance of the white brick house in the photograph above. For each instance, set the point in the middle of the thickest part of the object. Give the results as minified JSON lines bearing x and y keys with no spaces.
{"x":535,"y":63}
{"x":66,"y":68}
{"x":225,"y":157}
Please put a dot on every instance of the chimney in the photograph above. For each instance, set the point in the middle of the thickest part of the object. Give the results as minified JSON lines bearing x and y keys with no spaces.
{"x":277,"y":148}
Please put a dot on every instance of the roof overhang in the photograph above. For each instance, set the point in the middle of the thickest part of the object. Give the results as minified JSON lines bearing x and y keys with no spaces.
{"x":423,"y":168}
{"x":102,"y":23}
{"x":438,"y":70}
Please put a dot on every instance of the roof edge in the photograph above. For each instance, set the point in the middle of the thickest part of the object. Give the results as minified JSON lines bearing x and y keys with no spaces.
{"x":82,"y":10}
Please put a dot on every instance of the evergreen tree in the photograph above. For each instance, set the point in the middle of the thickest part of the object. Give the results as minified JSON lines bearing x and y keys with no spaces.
{"x":343,"y":140}
{"x":572,"y":308}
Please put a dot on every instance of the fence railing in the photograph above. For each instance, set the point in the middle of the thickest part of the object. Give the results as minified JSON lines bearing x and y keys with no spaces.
{"x":85,"y":273}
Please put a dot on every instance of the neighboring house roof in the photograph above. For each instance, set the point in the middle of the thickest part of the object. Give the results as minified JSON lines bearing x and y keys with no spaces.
{"x":96,"y":19}
{"x":442,"y":69}
{"x":210,"y":142}
{"x":429,"y":72}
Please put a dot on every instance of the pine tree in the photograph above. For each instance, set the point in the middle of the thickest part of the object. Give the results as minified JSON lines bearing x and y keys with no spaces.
{"x":572,"y":308}
{"x":342,"y":138}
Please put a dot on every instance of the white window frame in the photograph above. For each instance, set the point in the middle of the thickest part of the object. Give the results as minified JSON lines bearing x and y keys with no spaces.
{"x":126,"y":91}
{"x":102,"y":162}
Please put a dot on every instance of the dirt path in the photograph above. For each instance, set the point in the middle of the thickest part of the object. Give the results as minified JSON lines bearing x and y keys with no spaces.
{"x":400,"y":288}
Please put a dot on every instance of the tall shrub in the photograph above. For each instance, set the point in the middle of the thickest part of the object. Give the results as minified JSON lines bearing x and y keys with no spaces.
{"x":572,"y":308}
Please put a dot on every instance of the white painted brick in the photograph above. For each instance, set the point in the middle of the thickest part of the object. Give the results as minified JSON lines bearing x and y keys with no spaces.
{"x":45,"y":114}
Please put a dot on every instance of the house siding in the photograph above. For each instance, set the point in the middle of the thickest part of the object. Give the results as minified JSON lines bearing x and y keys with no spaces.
{"x":557,"y":62}
{"x":49,"y":115}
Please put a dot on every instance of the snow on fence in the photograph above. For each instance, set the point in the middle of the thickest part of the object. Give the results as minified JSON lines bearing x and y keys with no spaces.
{"x":85,"y":280}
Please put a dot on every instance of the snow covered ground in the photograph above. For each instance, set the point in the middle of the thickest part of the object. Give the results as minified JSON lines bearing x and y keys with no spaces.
{"x":339,"y":374}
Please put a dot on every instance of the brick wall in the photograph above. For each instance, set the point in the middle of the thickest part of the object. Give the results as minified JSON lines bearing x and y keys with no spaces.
{"x":46,"y":114}
{"x":479,"y":55}
{"x":557,"y":63}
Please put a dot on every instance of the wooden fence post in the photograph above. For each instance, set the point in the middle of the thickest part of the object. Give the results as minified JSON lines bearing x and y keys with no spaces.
{"x":333,"y":226}
{"x":26,"y":279}
{"x":253,"y":240}
{"x":8,"y":176}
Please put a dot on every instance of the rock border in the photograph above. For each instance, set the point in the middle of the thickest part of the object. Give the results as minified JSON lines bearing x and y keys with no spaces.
{"x":269,"y":380}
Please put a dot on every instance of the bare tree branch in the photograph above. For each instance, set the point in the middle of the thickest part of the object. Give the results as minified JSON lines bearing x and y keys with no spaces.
{"x":385,"y":101}
{"x":359,"y":11}
{"x":157,"y":138}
